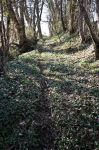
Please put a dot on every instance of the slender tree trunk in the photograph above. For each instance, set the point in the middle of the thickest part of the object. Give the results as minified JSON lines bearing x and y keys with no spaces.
{"x":97,"y":8}
{"x":73,"y":16}
{"x":2,"y":38}
{"x":8,"y":31}
{"x":23,"y":38}
{"x":2,"y":53}
{"x":38,"y":20}
{"x":28,"y":17}
{"x":62,"y":17}
{"x":81,"y":26}
{"x":34,"y":21}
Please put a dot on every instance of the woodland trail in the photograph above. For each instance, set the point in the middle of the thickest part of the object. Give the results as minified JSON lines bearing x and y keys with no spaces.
{"x":44,"y":122}
{"x":69,"y":96}
{"x":49,"y":74}
{"x":76,"y":92}
{"x":51,"y":99}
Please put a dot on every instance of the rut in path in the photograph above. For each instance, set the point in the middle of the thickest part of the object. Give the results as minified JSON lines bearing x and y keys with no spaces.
{"x":44,"y":121}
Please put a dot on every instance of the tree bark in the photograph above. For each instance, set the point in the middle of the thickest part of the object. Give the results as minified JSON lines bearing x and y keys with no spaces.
{"x":62,"y":17}
{"x":2,"y":48}
{"x":38,"y":20}
{"x":81,"y":27}
{"x":73,"y":16}
{"x":97,"y":11}
{"x":23,"y":38}
{"x":97,"y":8}
{"x":19,"y":23}
{"x":34,"y":21}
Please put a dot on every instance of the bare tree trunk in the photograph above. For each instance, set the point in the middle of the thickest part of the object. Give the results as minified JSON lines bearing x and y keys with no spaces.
{"x":97,"y":8}
{"x":19,"y":23}
{"x":2,"y":49}
{"x":34,"y":21}
{"x":92,"y":32}
{"x":62,"y":17}
{"x":23,"y":38}
{"x":38,"y":20}
{"x":28,"y":14}
{"x":8,"y":32}
{"x":73,"y":16}
{"x":81,"y":27}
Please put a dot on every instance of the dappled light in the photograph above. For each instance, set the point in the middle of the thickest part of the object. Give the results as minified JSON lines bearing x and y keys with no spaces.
{"x":49,"y":75}
{"x":70,"y":89}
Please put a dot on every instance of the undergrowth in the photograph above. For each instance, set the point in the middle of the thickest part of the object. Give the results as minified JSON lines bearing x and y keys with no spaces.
{"x":73,"y":84}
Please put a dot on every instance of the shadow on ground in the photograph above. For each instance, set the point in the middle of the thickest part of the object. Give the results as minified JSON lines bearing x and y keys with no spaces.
{"x":74,"y":94}
{"x":74,"y":98}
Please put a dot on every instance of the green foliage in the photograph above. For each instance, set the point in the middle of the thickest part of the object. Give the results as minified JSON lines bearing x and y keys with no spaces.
{"x":73,"y":93}
{"x":18,"y":94}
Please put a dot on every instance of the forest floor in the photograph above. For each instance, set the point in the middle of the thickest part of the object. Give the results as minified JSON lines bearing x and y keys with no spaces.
{"x":49,"y":99}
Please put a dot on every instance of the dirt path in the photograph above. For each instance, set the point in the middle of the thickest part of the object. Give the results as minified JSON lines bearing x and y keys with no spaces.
{"x":45,"y":124}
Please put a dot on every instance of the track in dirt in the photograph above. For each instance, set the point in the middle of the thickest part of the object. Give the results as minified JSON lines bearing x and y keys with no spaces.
{"x":44,"y":120}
